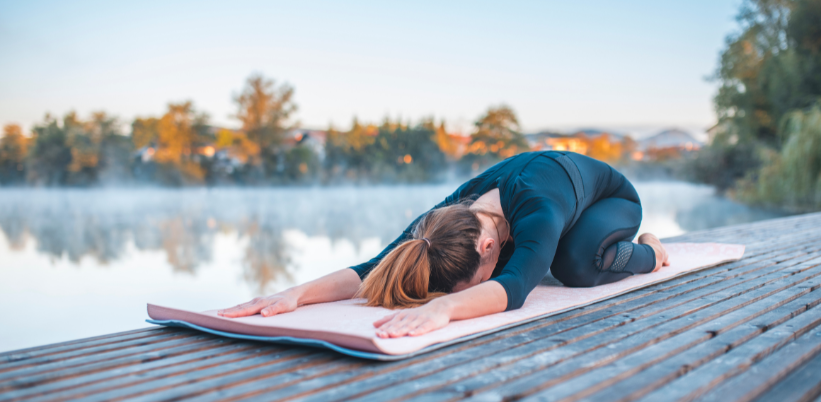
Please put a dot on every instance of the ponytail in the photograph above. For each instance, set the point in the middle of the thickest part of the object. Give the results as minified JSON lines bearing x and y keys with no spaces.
{"x":402,"y":278}
{"x":441,"y":254}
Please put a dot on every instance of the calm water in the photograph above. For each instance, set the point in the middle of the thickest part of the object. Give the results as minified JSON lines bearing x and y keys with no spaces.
{"x":78,"y":263}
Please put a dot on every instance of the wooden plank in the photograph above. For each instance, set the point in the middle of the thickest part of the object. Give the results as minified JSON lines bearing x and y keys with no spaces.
{"x":150,"y":380}
{"x":796,"y":220}
{"x":75,"y":363}
{"x":754,"y":243}
{"x":657,"y":375}
{"x":24,"y":353}
{"x":747,"y":233}
{"x":40,"y":361}
{"x":804,"y":384}
{"x":764,"y":374}
{"x":38,"y":380}
{"x":507,"y":353}
{"x":697,"y":382}
{"x":691,"y":348}
{"x":769,"y":237}
{"x":180,"y":387}
{"x":186,"y":360}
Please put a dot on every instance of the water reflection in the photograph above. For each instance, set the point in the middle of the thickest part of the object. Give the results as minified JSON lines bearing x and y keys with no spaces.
{"x":182,"y":223}
{"x":100,"y":224}
{"x":266,"y":257}
{"x":673,"y":208}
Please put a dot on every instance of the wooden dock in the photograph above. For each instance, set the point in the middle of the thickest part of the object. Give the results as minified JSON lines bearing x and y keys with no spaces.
{"x":742,"y":331}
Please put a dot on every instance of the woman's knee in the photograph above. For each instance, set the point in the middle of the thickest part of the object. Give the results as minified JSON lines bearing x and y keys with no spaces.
{"x":578,"y":281}
{"x":625,"y":190}
{"x":574,"y":270}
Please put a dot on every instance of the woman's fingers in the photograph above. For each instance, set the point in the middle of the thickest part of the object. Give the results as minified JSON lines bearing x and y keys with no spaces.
{"x":407,"y":325}
{"x":423,"y":328}
{"x":250,"y":308}
{"x":416,"y":327}
{"x":378,"y":323}
{"x":412,"y":322}
{"x":235,"y":308}
{"x":392,"y":327}
{"x":277,"y":308}
{"x":399,"y":330}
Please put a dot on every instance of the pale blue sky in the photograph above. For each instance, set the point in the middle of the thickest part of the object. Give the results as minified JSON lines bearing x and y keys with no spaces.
{"x":629,"y":65}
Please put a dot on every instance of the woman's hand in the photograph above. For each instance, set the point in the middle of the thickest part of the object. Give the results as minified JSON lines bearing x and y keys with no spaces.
{"x":338,"y":285}
{"x":480,"y":300}
{"x":413,"y":322}
{"x":267,"y":306}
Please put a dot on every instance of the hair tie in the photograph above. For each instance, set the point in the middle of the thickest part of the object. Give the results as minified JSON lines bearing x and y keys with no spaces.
{"x":426,"y":240}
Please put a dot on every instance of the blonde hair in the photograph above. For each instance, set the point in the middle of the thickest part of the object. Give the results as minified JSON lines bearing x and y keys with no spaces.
{"x":441,"y":253}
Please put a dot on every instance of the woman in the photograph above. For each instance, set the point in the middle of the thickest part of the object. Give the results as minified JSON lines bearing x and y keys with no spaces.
{"x":469,"y":257}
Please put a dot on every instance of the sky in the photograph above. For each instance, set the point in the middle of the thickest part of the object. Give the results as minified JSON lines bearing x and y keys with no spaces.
{"x":629,"y":66}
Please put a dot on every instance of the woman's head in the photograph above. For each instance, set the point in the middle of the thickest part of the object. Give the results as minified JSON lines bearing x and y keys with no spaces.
{"x":442,"y":253}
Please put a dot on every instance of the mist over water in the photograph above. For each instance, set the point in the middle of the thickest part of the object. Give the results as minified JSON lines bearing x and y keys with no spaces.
{"x":77,"y":263}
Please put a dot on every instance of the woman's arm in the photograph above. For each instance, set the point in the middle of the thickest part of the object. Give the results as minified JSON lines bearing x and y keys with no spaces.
{"x":483,"y":299}
{"x":339,"y":285}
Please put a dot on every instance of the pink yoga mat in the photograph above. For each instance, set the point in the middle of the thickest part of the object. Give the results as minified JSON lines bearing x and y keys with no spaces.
{"x":346,"y":325}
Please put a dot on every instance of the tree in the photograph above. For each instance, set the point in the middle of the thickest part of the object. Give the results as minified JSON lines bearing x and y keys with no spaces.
{"x":346,"y":153}
{"x":301,"y":163}
{"x":446,"y":143}
{"x":145,"y":132}
{"x":179,"y":132}
{"x":13,"y":151}
{"x":496,"y":137}
{"x":768,"y":70}
{"x":85,"y":149}
{"x":407,"y":152}
{"x":51,"y":154}
{"x":791,"y":178}
{"x":265,"y":111}
{"x":114,"y":150}
{"x":237,"y":145}
{"x":394,"y":151}
{"x":746,"y":66}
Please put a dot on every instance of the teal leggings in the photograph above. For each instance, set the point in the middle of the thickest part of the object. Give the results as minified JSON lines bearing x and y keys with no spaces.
{"x":598,"y":248}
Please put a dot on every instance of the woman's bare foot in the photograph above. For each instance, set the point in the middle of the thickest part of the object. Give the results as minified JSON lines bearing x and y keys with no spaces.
{"x":662,"y":258}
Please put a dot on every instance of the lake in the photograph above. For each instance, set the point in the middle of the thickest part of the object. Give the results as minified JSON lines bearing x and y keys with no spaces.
{"x":79,"y":263}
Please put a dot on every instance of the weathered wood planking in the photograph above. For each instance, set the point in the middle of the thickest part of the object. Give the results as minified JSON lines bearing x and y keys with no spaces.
{"x":742,"y":331}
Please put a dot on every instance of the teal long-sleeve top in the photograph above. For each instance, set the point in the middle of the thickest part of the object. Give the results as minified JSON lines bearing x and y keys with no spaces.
{"x":538,"y":200}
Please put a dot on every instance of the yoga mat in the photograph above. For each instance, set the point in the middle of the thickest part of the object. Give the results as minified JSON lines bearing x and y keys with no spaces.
{"x":347,"y":326}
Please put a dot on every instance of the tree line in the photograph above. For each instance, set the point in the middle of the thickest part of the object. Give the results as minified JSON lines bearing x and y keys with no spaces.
{"x":181,"y":148}
{"x":766,"y":147}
